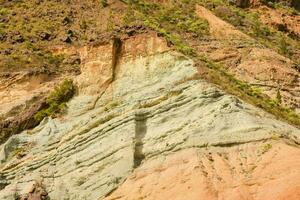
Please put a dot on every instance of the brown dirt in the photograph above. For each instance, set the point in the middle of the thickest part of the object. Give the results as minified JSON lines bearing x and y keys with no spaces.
{"x":251,"y":171}
{"x":280,"y":19}
{"x":66,"y":23}
{"x":218,"y":28}
{"x":22,"y":95}
{"x":250,"y":62}
{"x":18,"y":88}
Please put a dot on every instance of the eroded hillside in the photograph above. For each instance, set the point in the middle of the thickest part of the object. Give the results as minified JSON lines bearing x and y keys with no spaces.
{"x":149,"y":100}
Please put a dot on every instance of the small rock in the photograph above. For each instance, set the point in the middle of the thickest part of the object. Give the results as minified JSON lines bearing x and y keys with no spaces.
{"x":66,"y":21}
{"x":4,"y":20}
{"x":70,"y":33}
{"x":16,"y":37}
{"x":66,"y":39}
{"x":44,"y":36}
{"x":19,"y":38}
{"x":2,"y":36}
{"x":26,"y":18}
{"x":223,"y":11}
{"x":6,"y":51}
{"x":282,"y":27}
{"x":21,"y":155}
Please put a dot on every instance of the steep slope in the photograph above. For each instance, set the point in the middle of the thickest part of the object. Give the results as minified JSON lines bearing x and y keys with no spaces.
{"x":274,"y":86}
{"x":251,"y":62}
{"x":262,"y":89}
{"x":30,"y":29}
{"x":172,"y":100}
{"x":156,"y":106}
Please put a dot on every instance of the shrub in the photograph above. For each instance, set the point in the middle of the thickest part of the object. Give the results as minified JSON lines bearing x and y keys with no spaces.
{"x":234,"y":17}
{"x":283,"y":46}
{"x":84,"y":25}
{"x":129,"y":17}
{"x":3,"y":11}
{"x":56,"y":101}
{"x":259,"y":30}
{"x":182,"y":22}
{"x":279,"y":97}
{"x":103,"y":3}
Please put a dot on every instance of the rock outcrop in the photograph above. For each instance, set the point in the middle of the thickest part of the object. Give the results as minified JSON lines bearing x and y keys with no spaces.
{"x":249,"y":171}
{"x":150,"y":117}
{"x":22,"y":94}
{"x":251,"y":62}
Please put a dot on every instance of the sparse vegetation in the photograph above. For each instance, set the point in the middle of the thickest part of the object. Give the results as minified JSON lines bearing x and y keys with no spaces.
{"x":129,"y":17}
{"x":248,"y":22}
{"x":216,"y":72}
{"x":157,"y":101}
{"x":287,"y":5}
{"x":24,"y":40}
{"x":77,"y":162}
{"x":80,"y":181}
{"x":278,"y":97}
{"x":283,"y":46}
{"x":56,"y":101}
{"x":259,"y":30}
{"x":29,"y":28}
{"x":18,"y":152}
{"x":103,"y":3}
{"x":275,"y":136}
{"x":266,"y":147}
{"x":173,"y":22}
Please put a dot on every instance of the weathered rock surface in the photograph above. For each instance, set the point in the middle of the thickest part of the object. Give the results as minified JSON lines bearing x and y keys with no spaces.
{"x":22,"y":94}
{"x":251,"y":62}
{"x":155,"y":117}
{"x":18,"y":88}
{"x":249,"y":171}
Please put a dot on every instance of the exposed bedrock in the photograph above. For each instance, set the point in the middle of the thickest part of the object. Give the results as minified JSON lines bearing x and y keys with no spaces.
{"x":154,"y":120}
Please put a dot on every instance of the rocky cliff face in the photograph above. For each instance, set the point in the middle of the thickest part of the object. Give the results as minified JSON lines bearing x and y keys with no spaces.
{"x":148,"y":122}
{"x":147,"y":126}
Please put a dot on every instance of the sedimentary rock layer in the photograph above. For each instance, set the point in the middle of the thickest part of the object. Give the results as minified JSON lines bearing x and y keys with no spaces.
{"x":154,"y":111}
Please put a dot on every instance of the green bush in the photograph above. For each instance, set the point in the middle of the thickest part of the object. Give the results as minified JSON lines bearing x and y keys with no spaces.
{"x":3,"y":11}
{"x":103,"y":3}
{"x":56,"y":101}
{"x":259,"y":29}
{"x":231,"y":15}
{"x":283,"y":46}
{"x":182,"y":22}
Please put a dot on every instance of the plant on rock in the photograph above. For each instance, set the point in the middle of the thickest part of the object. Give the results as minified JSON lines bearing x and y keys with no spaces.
{"x":56,"y":101}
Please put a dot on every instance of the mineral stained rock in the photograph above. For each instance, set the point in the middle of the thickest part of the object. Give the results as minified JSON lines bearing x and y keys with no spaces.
{"x":151,"y":128}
